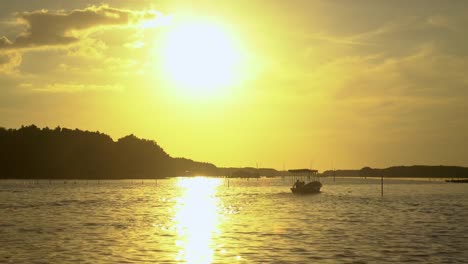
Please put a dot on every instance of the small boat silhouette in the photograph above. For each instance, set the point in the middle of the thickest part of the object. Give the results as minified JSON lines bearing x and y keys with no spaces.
{"x":306,"y":188}
{"x":300,"y":187}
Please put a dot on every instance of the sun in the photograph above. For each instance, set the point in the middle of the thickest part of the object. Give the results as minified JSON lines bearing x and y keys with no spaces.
{"x":201,"y":58}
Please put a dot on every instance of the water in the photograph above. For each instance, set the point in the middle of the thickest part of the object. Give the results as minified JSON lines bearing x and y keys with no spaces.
{"x":202,"y":220}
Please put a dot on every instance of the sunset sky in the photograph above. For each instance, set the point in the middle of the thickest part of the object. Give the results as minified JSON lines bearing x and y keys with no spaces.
{"x":297,"y":83}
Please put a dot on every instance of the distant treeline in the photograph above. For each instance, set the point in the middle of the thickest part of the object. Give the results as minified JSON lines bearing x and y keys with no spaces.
{"x":417,"y":171}
{"x":60,"y":153}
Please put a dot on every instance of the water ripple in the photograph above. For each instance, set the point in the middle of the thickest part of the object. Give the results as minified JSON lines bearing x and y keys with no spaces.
{"x":259,"y":222}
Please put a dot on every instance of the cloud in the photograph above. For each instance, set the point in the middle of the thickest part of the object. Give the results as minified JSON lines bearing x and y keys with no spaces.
{"x":74,"y":88}
{"x":44,"y":28}
{"x":4,"y":41}
{"x":135,"y":45}
{"x":89,"y":47}
{"x":9,"y":62}
{"x":438,"y":21}
{"x":425,"y":74}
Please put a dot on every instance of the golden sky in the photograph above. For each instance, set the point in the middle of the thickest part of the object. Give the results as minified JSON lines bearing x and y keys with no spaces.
{"x":296,"y":83}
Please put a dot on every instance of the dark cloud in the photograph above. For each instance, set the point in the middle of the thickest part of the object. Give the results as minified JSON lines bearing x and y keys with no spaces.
{"x":44,"y":28}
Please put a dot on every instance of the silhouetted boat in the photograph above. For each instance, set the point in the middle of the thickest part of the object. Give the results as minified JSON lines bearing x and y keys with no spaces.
{"x":458,"y":181}
{"x":308,"y":188}
{"x":301,"y":187}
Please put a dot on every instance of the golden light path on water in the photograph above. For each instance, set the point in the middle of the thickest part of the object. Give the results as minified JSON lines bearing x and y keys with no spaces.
{"x":197,"y":219}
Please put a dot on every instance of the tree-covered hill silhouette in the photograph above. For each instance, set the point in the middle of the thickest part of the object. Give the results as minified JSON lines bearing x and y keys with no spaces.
{"x":30,"y":153}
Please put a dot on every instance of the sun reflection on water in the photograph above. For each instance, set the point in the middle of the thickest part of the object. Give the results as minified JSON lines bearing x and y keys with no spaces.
{"x":197,"y":219}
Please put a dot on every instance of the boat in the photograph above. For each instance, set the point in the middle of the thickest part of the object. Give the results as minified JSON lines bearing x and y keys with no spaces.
{"x":300,"y":187}
{"x":308,"y":188}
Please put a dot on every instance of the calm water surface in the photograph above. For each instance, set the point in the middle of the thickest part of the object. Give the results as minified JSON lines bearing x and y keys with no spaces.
{"x":203,"y":220}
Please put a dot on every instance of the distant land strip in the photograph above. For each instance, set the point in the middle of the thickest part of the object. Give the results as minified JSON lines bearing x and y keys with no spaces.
{"x":416,"y":171}
{"x":61,"y":153}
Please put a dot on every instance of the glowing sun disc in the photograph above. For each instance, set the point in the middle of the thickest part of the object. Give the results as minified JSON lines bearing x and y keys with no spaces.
{"x":200,"y":57}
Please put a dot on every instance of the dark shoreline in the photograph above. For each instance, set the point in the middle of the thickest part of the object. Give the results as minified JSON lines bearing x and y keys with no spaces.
{"x":34,"y":153}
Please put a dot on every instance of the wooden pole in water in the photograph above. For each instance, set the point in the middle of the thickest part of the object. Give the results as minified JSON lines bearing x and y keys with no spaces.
{"x":381,"y":186}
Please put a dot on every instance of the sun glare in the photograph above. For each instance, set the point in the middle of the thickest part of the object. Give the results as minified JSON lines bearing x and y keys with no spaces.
{"x":197,"y":219}
{"x":200,"y":58}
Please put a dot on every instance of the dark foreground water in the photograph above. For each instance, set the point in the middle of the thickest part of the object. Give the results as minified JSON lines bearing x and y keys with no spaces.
{"x":203,"y":220}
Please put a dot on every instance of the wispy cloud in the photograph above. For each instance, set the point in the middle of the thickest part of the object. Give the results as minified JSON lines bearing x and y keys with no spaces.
{"x":74,"y":88}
